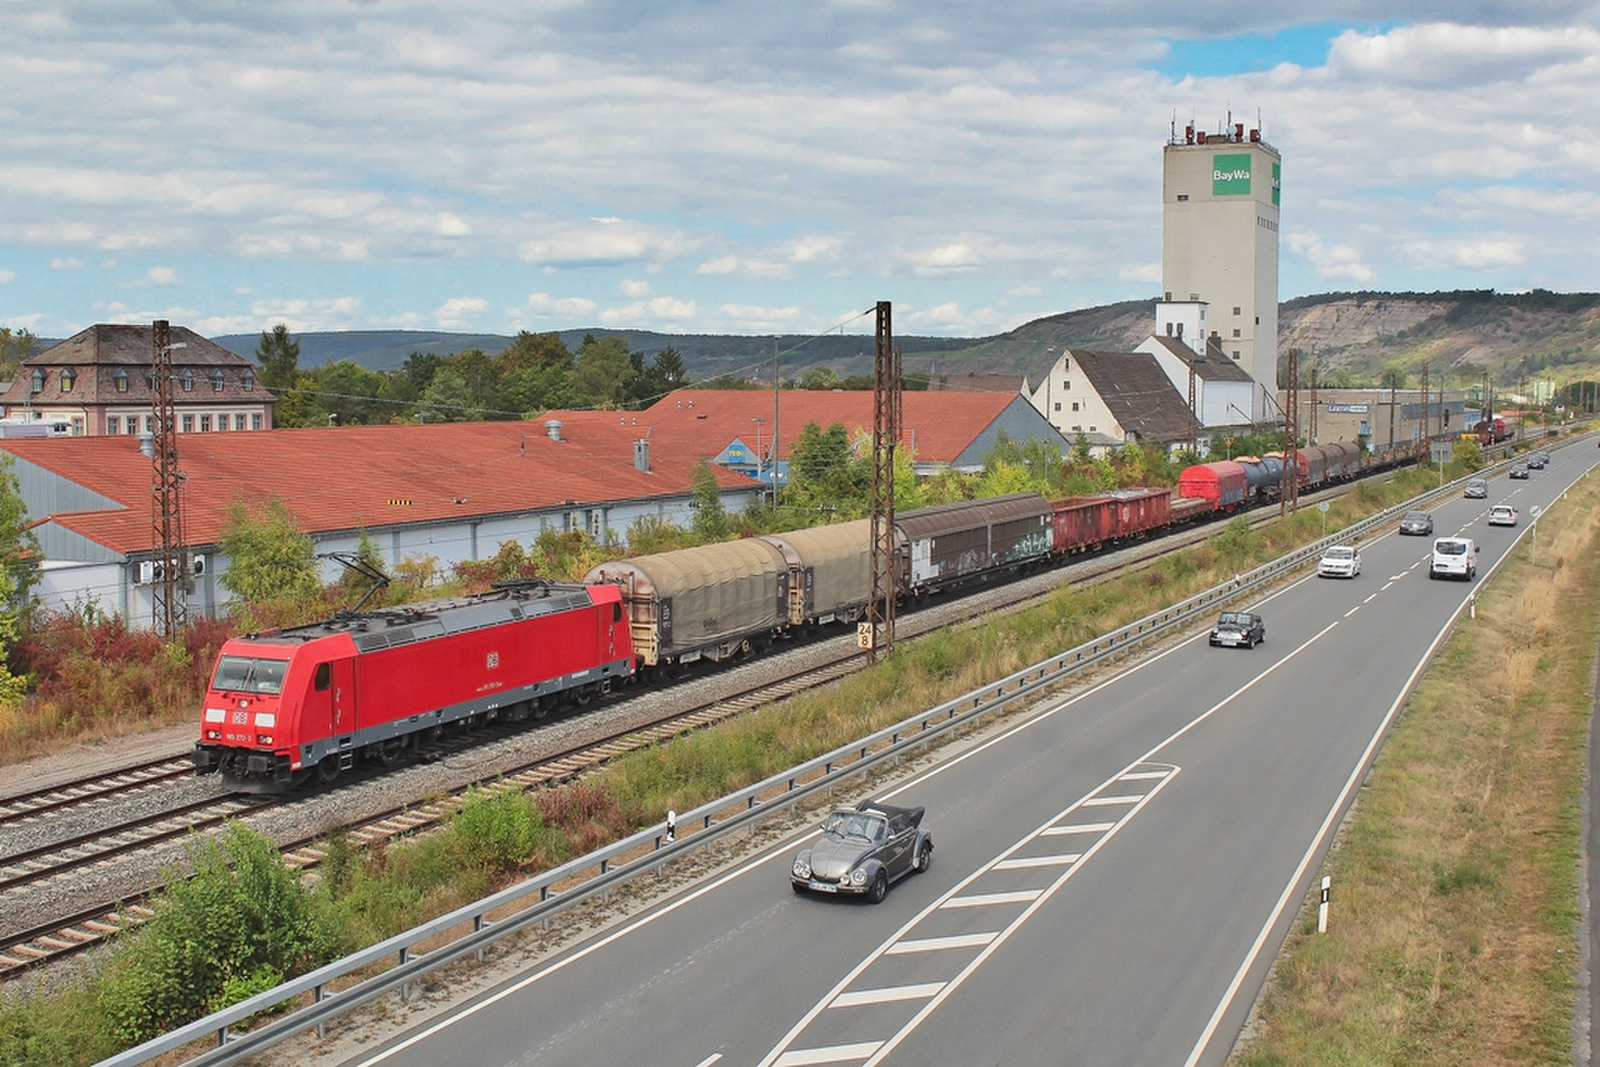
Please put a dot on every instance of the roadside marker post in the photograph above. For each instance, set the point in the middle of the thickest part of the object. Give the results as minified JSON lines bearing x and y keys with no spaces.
{"x":1322,"y":908}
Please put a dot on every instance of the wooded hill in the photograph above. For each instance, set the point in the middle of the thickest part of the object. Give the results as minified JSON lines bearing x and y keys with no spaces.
{"x":1352,"y":338}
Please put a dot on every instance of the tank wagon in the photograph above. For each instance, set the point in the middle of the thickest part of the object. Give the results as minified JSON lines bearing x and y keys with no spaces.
{"x":311,"y":700}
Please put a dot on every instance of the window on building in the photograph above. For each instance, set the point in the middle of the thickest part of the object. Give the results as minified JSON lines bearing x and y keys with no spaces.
{"x":216,"y":380}
{"x":149,"y":424}
{"x":205,"y":423}
{"x":37,"y":385}
{"x":238,"y":420}
{"x":1066,"y":384}
{"x":133,"y":424}
{"x":77,"y":426}
{"x":255,"y":421}
{"x":1235,"y":353}
{"x":1094,"y":429}
{"x":69,"y":378}
{"x":120,"y":380}
{"x":1058,"y":405}
{"x":186,"y":380}
{"x":1182,"y":197}
{"x":1236,"y":333}
{"x":1074,"y":405}
{"x":1077,"y":429}
{"x":247,"y":381}
{"x":1066,"y":364}
{"x":188,"y":424}
{"x":1238,"y":311}
{"x":113,"y":424}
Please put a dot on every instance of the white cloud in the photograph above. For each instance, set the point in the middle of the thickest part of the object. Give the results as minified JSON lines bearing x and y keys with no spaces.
{"x":1335,"y":263}
{"x":7,"y":276}
{"x":456,"y":311}
{"x":299,"y":315}
{"x":571,"y":306}
{"x":611,"y":241}
{"x":654,"y":309}
{"x":66,"y":263}
{"x":633,"y":288}
{"x":1451,"y":55}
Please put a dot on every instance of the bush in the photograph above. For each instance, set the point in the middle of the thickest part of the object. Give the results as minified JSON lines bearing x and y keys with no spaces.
{"x":504,"y":830}
{"x":242,"y":920}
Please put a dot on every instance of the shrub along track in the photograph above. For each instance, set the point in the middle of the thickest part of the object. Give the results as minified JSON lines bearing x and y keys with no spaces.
{"x":69,"y":928}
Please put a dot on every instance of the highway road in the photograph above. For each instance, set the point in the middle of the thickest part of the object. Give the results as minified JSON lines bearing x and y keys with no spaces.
{"x":1112,"y":878}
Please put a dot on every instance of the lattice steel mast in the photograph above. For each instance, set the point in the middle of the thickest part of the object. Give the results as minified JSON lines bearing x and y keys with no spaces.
{"x":1289,"y":498}
{"x":877,"y":637}
{"x":170,"y":584}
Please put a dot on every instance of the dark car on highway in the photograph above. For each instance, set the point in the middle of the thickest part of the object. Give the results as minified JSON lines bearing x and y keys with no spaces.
{"x":863,"y":850}
{"x":1537,"y":461}
{"x":1417,"y":522}
{"x":1235,"y":628}
{"x":1519,"y":471}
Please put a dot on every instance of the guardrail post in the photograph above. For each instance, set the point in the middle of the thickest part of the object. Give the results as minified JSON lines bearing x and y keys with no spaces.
{"x":318,"y":995}
{"x":478,"y":923}
{"x":405,"y":987}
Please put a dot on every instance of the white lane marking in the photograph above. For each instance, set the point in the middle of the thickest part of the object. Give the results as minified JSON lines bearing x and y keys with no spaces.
{"x":1143,"y":776}
{"x":806,"y":1057}
{"x":984,"y":900}
{"x":709,"y":1060}
{"x":1374,"y":596}
{"x":940,"y":944}
{"x":1295,"y":885}
{"x":1352,"y":611}
{"x":1106,"y":802}
{"x":1027,"y":862}
{"x":1078,"y":828}
{"x":887,"y":995}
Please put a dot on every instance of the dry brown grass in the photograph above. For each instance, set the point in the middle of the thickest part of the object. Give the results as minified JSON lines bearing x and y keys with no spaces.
{"x":1453,"y":932}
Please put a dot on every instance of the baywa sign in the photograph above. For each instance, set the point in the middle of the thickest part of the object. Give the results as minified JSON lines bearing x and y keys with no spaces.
{"x":1230,"y":174}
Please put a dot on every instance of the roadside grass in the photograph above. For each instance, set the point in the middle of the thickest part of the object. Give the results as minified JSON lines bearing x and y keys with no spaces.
{"x":362,"y":897}
{"x":1454,"y":906}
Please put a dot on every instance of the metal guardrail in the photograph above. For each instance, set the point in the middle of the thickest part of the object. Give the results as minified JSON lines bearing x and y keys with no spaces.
{"x":540,"y":897}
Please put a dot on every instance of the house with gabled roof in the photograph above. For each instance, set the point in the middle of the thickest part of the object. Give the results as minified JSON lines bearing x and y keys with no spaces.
{"x":449,"y":492}
{"x":1113,"y":398}
{"x":1224,"y":390}
{"x":100,"y":381}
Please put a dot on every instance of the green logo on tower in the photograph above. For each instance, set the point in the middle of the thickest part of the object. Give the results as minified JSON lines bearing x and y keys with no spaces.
{"x":1277,"y":182}
{"x":1230,"y":174}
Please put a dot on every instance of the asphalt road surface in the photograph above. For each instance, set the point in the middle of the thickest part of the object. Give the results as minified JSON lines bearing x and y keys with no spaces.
{"x":1111,"y":880}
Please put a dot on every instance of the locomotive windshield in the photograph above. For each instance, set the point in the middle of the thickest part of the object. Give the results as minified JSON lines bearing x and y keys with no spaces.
{"x":245,"y":674}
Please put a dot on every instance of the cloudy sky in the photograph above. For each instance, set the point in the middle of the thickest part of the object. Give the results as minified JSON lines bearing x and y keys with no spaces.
{"x":745,"y":166}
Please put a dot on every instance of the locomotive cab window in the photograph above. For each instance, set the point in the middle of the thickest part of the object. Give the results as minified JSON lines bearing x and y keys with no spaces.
{"x":245,"y":674}
{"x":324,"y":676}
{"x":616,"y":612}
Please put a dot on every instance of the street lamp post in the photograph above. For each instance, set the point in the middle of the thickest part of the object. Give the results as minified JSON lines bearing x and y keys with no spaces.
{"x":757,"y":421}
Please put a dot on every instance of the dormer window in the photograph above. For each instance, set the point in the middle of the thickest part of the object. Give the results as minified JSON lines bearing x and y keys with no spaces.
{"x":120,"y":380}
{"x":186,"y":380}
{"x":216,"y":380}
{"x":247,"y":381}
{"x":38,"y":380}
{"x":69,"y":378}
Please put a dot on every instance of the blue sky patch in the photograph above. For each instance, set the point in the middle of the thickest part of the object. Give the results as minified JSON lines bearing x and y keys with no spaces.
{"x":1305,"y":46}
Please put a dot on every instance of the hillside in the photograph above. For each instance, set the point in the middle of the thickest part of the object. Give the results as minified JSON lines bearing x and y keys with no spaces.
{"x":1349,"y":337}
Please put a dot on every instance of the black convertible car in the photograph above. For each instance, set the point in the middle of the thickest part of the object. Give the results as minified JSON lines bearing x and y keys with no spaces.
{"x":862,"y":850}
{"x":1235,"y":628}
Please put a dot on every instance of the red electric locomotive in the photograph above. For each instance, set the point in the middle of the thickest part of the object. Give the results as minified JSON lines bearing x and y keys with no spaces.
{"x":291,"y":703}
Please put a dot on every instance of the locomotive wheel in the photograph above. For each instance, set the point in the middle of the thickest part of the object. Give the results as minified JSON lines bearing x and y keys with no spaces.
{"x":581,"y":696}
{"x":545,"y":705}
{"x":387,"y":752}
{"x":328,"y":769}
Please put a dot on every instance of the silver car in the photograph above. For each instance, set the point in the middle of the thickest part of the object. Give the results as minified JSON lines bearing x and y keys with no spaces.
{"x":1477,"y":489}
{"x":1339,"y":561}
{"x":863,"y":850}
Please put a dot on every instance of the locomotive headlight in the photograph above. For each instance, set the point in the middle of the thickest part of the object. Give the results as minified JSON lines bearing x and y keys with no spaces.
{"x":213,"y":735}
{"x":802,"y":869}
{"x":263,"y":739}
{"x":858,"y":877}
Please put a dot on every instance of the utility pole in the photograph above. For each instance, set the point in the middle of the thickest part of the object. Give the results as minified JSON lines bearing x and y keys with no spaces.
{"x":1289,"y":495}
{"x":169,"y":591}
{"x":1427,"y":408}
{"x":877,"y":635}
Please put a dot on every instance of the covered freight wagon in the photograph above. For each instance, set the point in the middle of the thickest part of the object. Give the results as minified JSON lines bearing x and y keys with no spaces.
{"x":949,"y":543}
{"x":710,"y":602}
{"x":830,"y":571}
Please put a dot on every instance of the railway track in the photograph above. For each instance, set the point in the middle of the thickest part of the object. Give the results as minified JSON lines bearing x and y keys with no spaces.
{"x":53,"y":940}
{"x":58,"y":799}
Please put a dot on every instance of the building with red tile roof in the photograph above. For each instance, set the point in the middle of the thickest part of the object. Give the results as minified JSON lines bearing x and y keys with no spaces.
{"x":451,"y":491}
{"x":98,"y":381}
{"x":735,"y":428}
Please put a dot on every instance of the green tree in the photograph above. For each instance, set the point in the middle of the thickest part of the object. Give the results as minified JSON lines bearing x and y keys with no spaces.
{"x":270,"y":562}
{"x":448,"y":398}
{"x":349,"y":392}
{"x":15,"y":347}
{"x":19,"y":570}
{"x":279,"y":356}
{"x":705,"y":497}
{"x":819,"y":378}
{"x":603,"y":371}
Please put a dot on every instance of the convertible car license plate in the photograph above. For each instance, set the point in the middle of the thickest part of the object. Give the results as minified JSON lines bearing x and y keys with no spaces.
{"x":824,"y":887}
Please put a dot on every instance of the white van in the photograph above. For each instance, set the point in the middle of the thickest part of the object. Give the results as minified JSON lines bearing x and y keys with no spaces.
{"x":1454,"y":557}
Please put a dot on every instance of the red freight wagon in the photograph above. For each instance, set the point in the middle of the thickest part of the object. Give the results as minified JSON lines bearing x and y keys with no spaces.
{"x":1223,"y":484}
{"x":1083,"y":523}
{"x":285,"y":704}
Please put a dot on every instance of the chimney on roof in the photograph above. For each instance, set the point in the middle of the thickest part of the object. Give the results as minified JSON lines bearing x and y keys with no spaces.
{"x":147,"y":444}
{"x":552,"y":429}
{"x":641,"y":455}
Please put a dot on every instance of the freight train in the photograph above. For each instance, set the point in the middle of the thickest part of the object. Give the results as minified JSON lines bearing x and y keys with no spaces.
{"x":309,"y":701}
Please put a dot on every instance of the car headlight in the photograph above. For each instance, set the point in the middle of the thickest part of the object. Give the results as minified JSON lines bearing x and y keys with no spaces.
{"x":802,"y":869}
{"x":858,"y":877}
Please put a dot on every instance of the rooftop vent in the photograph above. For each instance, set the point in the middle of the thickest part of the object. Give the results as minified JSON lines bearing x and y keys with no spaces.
{"x":552,"y":429}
